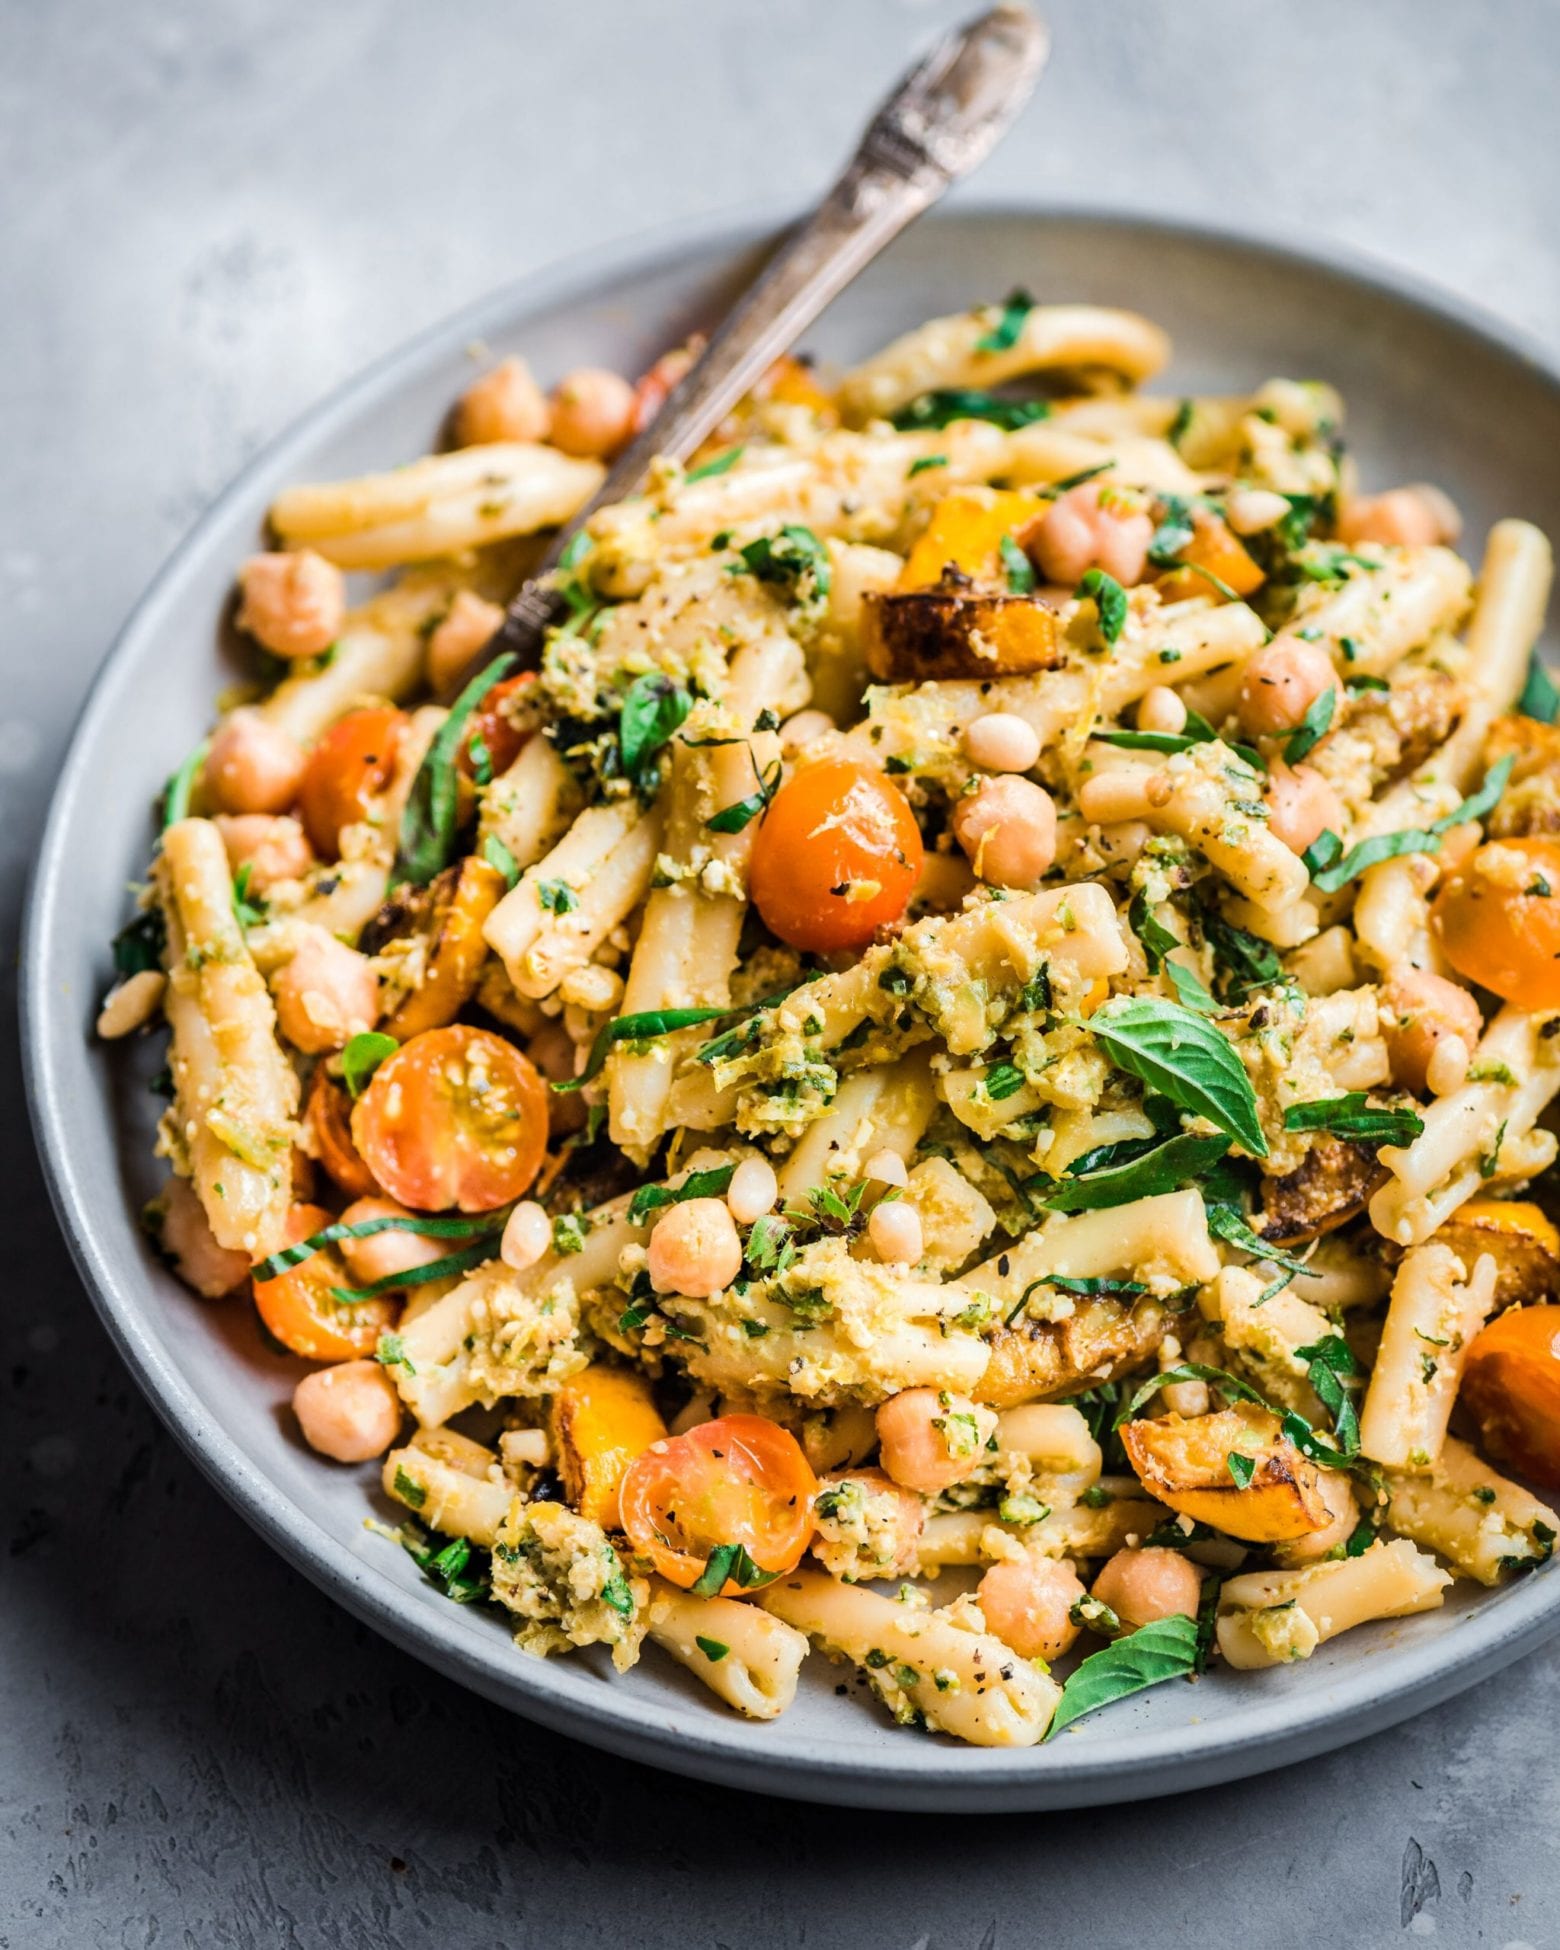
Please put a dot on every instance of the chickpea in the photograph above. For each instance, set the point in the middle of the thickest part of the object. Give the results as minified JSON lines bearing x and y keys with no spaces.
{"x":1008,"y":831}
{"x":1407,"y":517}
{"x":1091,"y":527}
{"x":349,"y":1412}
{"x":752,"y":1191}
{"x":467,"y":625}
{"x":803,"y":730}
{"x":527,"y":1235}
{"x":592,"y":412}
{"x":1280,"y":683}
{"x":1001,"y":741}
{"x":253,"y":766}
{"x":326,"y":993}
{"x":293,"y":602}
{"x":383,"y":1254}
{"x":1161,"y":709}
{"x":504,"y":404}
{"x":185,"y":1235}
{"x":1421,"y":1012}
{"x":1143,"y":1585}
{"x":896,"y":1523}
{"x":1301,"y":805}
{"x":895,"y":1231}
{"x":273,"y":848}
{"x":929,"y":1439}
{"x":1026,"y":1601}
{"x":1249,"y":510}
{"x":694,"y":1249}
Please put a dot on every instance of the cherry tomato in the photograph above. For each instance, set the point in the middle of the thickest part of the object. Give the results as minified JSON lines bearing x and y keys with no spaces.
{"x":500,"y":737}
{"x":1511,"y":1388}
{"x":457,"y":1117}
{"x":325,"y":1115}
{"x":300,"y":1310}
{"x":349,"y":767}
{"x":1499,"y":920}
{"x":837,"y":856}
{"x":737,"y":1480}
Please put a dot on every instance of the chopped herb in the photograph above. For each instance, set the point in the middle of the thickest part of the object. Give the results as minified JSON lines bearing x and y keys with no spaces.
{"x":1312,"y":728}
{"x":617,"y":1591}
{"x":730,"y":1563}
{"x":925,"y":464}
{"x":1227,"y":1222}
{"x":1189,"y":991}
{"x":1165,"y":1649}
{"x":712,"y":1649}
{"x":180,"y":787}
{"x":1247,"y":961}
{"x":409,"y":1492}
{"x":1174,"y":533}
{"x":1181,"y":1055}
{"x":497,"y":855}
{"x":1414,"y":839}
{"x":698,"y":1184}
{"x":1003,"y":1080}
{"x":641,"y":1028}
{"x":733,"y":818}
{"x":1361,"y":1537}
{"x":362,"y":1057}
{"x":450,"y":1264}
{"x":557,"y":896}
{"x":249,"y":913}
{"x":771,"y":1246}
{"x":1004,"y":335}
{"x":391,"y":1353}
{"x":946,"y":404}
{"x":1109,"y":599}
{"x":721,"y":464}
{"x":569,"y":1232}
{"x":790,"y":559}
{"x":1017,"y":567}
{"x":1180,"y":426}
{"x":1540,"y":698}
{"x":427,"y":835}
{"x":653,"y":708}
{"x":1242,"y":1468}
{"x":140,"y":943}
{"x":1156,"y":939}
{"x":1349,"y":1116}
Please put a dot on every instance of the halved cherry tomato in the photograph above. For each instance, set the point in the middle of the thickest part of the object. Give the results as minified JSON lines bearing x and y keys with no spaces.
{"x":325,"y":1114}
{"x":300,"y":1310}
{"x":457,"y":1117}
{"x":1511,"y":1388}
{"x":349,"y":767}
{"x":837,"y":856}
{"x":737,"y":1480}
{"x":1499,"y":920}
{"x":464,"y":897}
{"x":499,"y":736}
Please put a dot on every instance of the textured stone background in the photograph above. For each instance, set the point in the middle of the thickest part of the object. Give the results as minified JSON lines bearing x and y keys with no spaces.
{"x":211,"y":211}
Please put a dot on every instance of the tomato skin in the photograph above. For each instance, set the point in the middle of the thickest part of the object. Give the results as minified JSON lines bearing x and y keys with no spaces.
{"x":347,"y":769}
{"x":833,"y":824}
{"x":457,"y":1117}
{"x":502,"y":737}
{"x":1498,"y":933}
{"x":325,"y":1114}
{"x":299,"y":1310}
{"x":1511,"y":1388}
{"x":737,"y":1480}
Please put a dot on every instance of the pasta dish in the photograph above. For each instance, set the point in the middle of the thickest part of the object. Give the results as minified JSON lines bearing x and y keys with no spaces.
{"x":963,"y":1076}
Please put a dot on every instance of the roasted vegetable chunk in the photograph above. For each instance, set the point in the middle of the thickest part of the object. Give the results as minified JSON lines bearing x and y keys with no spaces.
{"x":1330,"y":1188}
{"x":601,"y":1420}
{"x":955,"y":630}
{"x":1267,"y":1495}
{"x":1040,"y":1360}
{"x":1523,"y":1242}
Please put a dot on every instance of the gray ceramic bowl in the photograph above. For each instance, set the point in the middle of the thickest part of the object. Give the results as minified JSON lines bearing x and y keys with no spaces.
{"x":1432,"y":394}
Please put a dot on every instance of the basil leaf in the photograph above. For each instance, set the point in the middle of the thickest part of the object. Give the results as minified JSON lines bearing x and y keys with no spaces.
{"x":636,"y":1029}
{"x":925,"y":464}
{"x":698,"y":1184}
{"x":1004,"y":335}
{"x":1249,"y":962}
{"x":1157,"y":940}
{"x":1322,"y":851}
{"x":1109,"y":598}
{"x":721,"y":464}
{"x":945,"y":404}
{"x":1416,"y":839}
{"x":730,"y":1562}
{"x":427,"y":836}
{"x":1174,"y":533}
{"x":139,"y":944}
{"x":556,"y":896}
{"x":1312,"y":728}
{"x":1017,"y":567}
{"x":1003,"y":1080}
{"x":732,"y":819}
{"x":177,"y":792}
{"x":1242,"y":1468}
{"x":1189,"y":991}
{"x":362,"y":1057}
{"x":1166,"y":1168}
{"x":792,"y":557}
{"x":1540,"y":698}
{"x":1198,"y":732}
{"x":1350,"y":1116}
{"x":653,"y":708}
{"x":1182,"y":1056}
{"x":1331,"y":1368}
{"x":1228,"y":1222}
{"x":1165,"y":1649}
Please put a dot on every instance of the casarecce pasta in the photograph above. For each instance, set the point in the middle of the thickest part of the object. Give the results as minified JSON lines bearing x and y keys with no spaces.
{"x":967,"y":1069}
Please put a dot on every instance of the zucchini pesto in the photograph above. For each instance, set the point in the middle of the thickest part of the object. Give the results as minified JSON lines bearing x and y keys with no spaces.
{"x":963,"y":1076}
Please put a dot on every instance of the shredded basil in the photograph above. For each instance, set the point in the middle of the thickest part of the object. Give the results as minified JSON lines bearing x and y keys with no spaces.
{"x":1017,"y":567}
{"x":1540,"y":698}
{"x":721,"y":464}
{"x":945,"y":404}
{"x":1004,"y":335}
{"x":698,"y":1184}
{"x":1312,"y":728}
{"x":1415,"y":839}
{"x":426,"y":1224}
{"x":642,"y":1028}
{"x":362,"y":1057}
{"x":733,"y":818}
{"x":177,"y":793}
{"x":427,"y":836}
{"x":730,"y":1563}
{"x":794,"y":559}
{"x":498,"y":855}
{"x":925,"y":464}
{"x":1109,"y":599}
{"x":1350,"y":1116}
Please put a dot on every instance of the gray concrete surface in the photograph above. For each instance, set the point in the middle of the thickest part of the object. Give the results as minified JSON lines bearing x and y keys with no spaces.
{"x":210,"y":212}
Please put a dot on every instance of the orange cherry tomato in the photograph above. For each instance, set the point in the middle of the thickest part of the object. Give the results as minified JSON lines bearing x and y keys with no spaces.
{"x":349,"y":767}
{"x":325,"y":1114}
{"x":837,"y":856}
{"x":737,"y":1480}
{"x":1511,"y":1388}
{"x":1499,"y":920}
{"x":300,"y":1310}
{"x":501,"y":738}
{"x":457,"y":1117}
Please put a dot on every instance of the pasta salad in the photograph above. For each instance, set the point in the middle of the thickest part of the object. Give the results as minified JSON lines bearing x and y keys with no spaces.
{"x":964,"y":1075}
